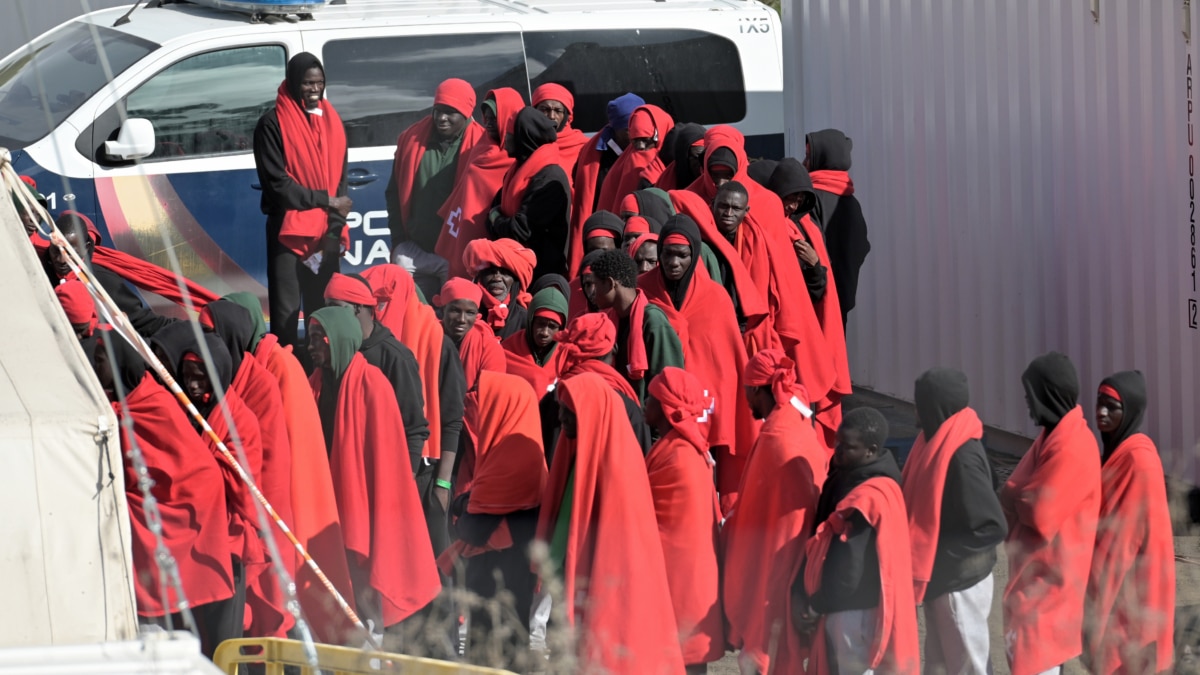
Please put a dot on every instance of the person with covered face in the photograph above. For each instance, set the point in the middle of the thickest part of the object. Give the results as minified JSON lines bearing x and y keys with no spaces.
{"x":478,"y":348}
{"x":1130,"y":608}
{"x":300,"y":155}
{"x":837,"y":211}
{"x":503,"y":269}
{"x":534,"y":204}
{"x":78,"y":306}
{"x":686,"y":160}
{"x":955,"y":524}
{"x":583,"y":289}
{"x":465,"y":212}
{"x":644,"y":161}
{"x":391,"y":560}
{"x":558,"y":105}
{"x":530,"y":352}
{"x":1052,"y":504}
{"x":431,"y":157}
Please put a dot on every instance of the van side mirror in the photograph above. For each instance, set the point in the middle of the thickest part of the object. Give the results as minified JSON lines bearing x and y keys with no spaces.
{"x":135,"y":140}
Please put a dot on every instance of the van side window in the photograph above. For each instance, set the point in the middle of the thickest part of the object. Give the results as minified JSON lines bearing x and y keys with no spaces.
{"x":380,"y":86}
{"x":693,"y":75}
{"x":208,"y":104}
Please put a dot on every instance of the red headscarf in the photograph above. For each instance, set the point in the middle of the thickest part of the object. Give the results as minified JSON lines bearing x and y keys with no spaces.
{"x":77,"y":303}
{"x":348,"y":289}
{"x":687,"y":405}
{"x":570,"y":140}
{"x":457,"y":94}
{"x":641,"y":241}
{"x":507,"y":254}
{"x":583,"y":343}
{"x":458,"y":289}
{"x":772,"y":368}
{"x":626,"y":175}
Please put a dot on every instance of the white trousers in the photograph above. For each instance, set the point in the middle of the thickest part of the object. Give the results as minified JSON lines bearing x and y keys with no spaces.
{"x":956,"y":631}
{"x":848,"y":639}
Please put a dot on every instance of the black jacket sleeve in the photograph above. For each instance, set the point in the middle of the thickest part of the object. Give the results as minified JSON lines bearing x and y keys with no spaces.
{"x":815,"y":277}
{"x":452,"y":387}
{"x":406,"y":377}
{"x":972,"y":523}
{"x":144,"y":320}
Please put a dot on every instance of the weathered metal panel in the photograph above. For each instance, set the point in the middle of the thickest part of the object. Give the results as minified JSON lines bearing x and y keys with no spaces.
{"x":1025,"y":172}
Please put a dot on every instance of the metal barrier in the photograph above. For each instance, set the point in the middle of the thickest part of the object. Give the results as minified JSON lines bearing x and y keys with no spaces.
{"x":276,"y":653}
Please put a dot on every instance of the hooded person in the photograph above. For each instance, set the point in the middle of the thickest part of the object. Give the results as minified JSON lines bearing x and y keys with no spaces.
{"x":763,"y":536}
{"x":703,"y":316}
{"x":503,"y":269}
{"x":855,"y":590}
{"x":190,"y":495}
{"x":597,"y":516}
{"x":556,"y":281}
{"x":1130,"y":607}
{"x":687,"y":158}
{"x":1052,"y":503}
{"x":955,"y":524}
{"x":384,"y":351}
{"x":391,"y":559}
{"x":432,"y":156}
{"x":642,"y":164}
{"x":603,"y":231}
{"x":315,"y":520}
{"x":596,"y":159}
{"x":495,"y":519}
{"x":583,"y":289}
{"x":837,"y":211}
{"x":478,"y":348}
{"x":534,"y":204}
{"x":558,"y":104}
{"x":300,"y":155}
{"x":78,"y":306}
{"x":652,"y":203}
{"x":760,"y":171}
{"x":465,"y":212}
{"x":679,"y":467}
{"x":530,"y":352}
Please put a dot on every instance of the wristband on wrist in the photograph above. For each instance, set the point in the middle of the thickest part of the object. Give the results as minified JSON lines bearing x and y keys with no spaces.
{"x":443,"y":483}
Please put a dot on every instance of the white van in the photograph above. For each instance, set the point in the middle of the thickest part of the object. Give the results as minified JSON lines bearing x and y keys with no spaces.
{"x":202,"y":77}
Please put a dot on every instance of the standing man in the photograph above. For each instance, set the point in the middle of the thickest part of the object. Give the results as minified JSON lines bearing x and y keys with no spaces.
{"x":300,"y":154}
{"x":838,"y":211}
{"x":558,"y":105}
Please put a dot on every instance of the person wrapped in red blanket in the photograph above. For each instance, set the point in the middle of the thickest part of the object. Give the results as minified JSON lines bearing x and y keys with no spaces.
{"x":477,"y":345}
{"x":558,"y":105}
{"x":530,"y":353}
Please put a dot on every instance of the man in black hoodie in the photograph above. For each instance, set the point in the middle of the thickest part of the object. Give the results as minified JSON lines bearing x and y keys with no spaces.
{"x":837,"y":211}
{"x":955,"y":524}
{"x":790,"y":180}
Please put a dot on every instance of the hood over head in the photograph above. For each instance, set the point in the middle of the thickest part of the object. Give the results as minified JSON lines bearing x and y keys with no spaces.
{"x":555,"y":92}
{"x":790,"y":177}
{"x":761,"y":169}
{"x":1051,"y":388}
{"x":297,"y":66}
{"x":345,"y":336}
{"x":938,"y":394}
{"x":680,"y":225}
{"x":222,"y":361}
{"x":686,"y":135}
{"x":1129,"y":387}
{"x":531,"y":130}
{"x":829,"y":150}
{"x":556,"y":281}
{"x":233,"y":325}
{"x":250,"y":303}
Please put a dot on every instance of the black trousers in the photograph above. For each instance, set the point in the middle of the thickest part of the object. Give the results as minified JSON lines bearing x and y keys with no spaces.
{"x":217,"y":621}
{"x":292,"y":287}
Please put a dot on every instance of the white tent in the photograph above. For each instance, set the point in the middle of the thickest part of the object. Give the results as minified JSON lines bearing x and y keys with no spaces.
{"x":65,"y":560}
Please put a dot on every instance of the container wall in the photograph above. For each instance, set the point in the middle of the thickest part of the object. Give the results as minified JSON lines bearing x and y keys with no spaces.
{"x":1024,"y":170}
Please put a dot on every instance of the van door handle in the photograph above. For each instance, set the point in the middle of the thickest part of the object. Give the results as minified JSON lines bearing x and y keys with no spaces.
{"x":256,"y":186}
{"x":359,"y":177}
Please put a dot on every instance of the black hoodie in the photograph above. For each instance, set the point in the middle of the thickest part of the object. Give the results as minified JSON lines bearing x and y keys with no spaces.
{"x":840,"y":217}
{"x":1051,"y":389}
{"x":686,"y":135}
{"x":788,"y":178}
{"x":541,"y":220}
{"x":1131,"y":385}
{"x":972,"y":522}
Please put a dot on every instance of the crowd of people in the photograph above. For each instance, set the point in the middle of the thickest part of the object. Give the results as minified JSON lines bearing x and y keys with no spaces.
{"x":628,"y":347}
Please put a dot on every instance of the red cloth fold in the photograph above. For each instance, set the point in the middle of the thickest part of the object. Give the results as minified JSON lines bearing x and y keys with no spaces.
{"x":924,"y":482}
{"x":570,"y":140}
{"x":687,"y":405}
{"x":480,"y":351}
{"x":632,"y":166}
{"x":635,"y":348}
{"x":520,"y":361}
{"x":314,"y":149}
{"x":879,"y":501}
{"x":837,"y":182}
{"x":457,"y":289}
{"x":587,"y":172}
{"x":516,"y":180}
{"x":410,"y":149}
{"x":772,"y":368}
{"x":150,"y":277}
{"x":507,"y":254}
{"x":348,"y":289}
{"x":457,"y":94}
{"x":582,"y":344}
{"x":1052,"y":502}
{"x":77,"y":303}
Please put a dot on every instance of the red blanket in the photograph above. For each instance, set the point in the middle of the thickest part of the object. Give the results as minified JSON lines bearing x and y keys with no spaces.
{"x":626,"y":174}
{"x":1131,"y":588}
{"x":410,"y":149}
{"x":516,"y":181}
{"x":1052,"y":502}
{"x":314,"y":150}
{"x":150,"y":277}
{"x":520,"y":361}
{"x":587,"y":172}
{"x":635,"y":346}
{"x":924,"y":479}
{"x":570,"y":143}
{"x":829,"y":180}
{"x":764,"y":538}
{"x":480,"y":351}
{"x":190,"y":491}
{"x":383,"y":523}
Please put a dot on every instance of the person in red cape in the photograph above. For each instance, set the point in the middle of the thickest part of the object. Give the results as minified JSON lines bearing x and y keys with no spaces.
{"x":391,"y":562}
{"x":315,"y":520}
{"x":687,"y":162}
{"x":837,"y":211}
{"x":530,"y":353}
{"x":854,"y":593}
{"x":702,"y":314}
{"x":679,"y":467}
{"x":598,"y":518}
{"x":1052,"y":503}
{"x":643,"y":163}
{"x":78,"y":306}
{"x":534,"y":205}
{"x":478,"y":348}
{"x":190,"y":496}
{"x":503,"y":270}
{"x":496,"y":516}
{"x":763,"y":537}
{"x":558,"y":105}
{"x":1130,"y":608}
{"x":644,"y":251}
{"x":596,"y":159}
{"x":300,"y":155}
{"x":432,"y":156}
{"x":259,"y":390}
{"x":955,"y":524}
{"x":465,"y":212}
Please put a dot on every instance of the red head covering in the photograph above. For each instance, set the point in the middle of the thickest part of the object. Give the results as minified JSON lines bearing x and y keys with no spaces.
{"x":586,"y":339}
{"x":641,"y":241}
{"x":686,"y":403}
{"x":458,"y":289}
{"x":348,"y":289}
{"x":393,"y":288}
{"x":636,"y":224}
{"x":1105,"y":390}
{"x":555,"y":92}
{"x":641,"y":125}
{"x":456,"y":93}
{"x":92,"y":230}
{"x":506,"y":253}
{"x":77,"y":303}
{"x":772,"y":368}
{"x":630,"y":205}
{"x":676,"y":238}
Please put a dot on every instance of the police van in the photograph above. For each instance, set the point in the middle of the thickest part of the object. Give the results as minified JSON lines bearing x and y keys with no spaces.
{"x":145,"y":120}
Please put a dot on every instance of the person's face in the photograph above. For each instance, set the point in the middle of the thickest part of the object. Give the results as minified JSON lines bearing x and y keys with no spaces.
{"x":543,"y":330}
{"x":646,"y":258}
{"x":458,"y":317}
{"x":554,"y":111}
{"x":82,"y":245}
{"x":643,"y":144}
{"x":312,"y":87}
{"x":622,"y":138}
{"x":720,"y":175}
{"x":318,"y":345}
{"x":195,"y":382}
{"x":598,"y":244}
{"x":104,"y":372}
{"x":81,"y":329}
{"x":1109,"y":414}
{"x":760,"y":401}
{"x":807,"y":152}
{"x":653,"y":411}
{"x":852,"y":451}
{"x":696,"y":159}
{"x":498,"y":281}
{"x":448,"y":122}
{"x":796,"y":202}
{"x":568,"y":421}
{"x":675,"y":260}
{"x":605,"y":295}
{"x":28,"y":222}
{"x":491,"y":125}
{"x":587,"y":283}
{"x":730,"y":209}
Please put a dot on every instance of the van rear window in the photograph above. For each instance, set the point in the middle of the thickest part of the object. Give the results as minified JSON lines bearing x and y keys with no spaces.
{"x":380,"y":86}
{"x":693,"y":75}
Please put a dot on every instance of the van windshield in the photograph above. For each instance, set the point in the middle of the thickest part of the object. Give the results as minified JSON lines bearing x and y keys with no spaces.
{"x":66,"y":64}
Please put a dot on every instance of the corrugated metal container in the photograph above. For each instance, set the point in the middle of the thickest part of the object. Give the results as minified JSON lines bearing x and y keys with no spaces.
{"x":1026,"y":169}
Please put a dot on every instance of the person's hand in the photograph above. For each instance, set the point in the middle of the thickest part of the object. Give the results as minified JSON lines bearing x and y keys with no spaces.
{"x":806,"y":252}
{"x":341,"y":205}
{"x":804,"y":617}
